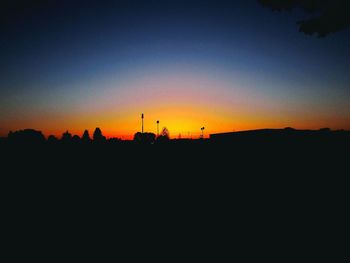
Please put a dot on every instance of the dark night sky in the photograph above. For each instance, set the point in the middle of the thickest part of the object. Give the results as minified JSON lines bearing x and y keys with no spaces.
{"x":223,"y":64}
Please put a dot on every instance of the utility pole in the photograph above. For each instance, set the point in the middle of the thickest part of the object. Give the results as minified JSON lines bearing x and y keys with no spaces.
{"x":142,"y":121}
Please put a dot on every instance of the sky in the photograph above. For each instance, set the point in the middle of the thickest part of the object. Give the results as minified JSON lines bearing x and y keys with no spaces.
{"x":223,"y":65}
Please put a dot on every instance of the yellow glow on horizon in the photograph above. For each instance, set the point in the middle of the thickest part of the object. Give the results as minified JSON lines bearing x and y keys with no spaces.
{"x":182,"y":103}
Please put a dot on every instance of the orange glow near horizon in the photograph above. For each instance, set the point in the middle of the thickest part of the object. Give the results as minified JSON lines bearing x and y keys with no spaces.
{"x":185,"y":121}
{"x":223,"y":65}
{"x":183,"y":104}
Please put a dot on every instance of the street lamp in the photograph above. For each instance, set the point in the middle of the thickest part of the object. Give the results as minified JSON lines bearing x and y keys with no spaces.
{"x":202,"y":129}
{"x":158,"y":128}
{"x":142,"y":121}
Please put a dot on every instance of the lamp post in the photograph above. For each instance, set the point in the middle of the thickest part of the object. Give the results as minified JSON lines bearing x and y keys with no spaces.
{"x":142,"y":121}
{"x":158,"y":128}
{"x":202,"y":129}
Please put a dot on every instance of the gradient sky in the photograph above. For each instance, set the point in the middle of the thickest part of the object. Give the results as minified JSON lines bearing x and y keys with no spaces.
{"x":224,"y":65}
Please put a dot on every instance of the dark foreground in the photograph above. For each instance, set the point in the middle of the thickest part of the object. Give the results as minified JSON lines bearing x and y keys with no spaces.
{"x":286,"y":196}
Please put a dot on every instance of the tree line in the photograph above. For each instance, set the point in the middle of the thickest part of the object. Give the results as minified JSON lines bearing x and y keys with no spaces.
{"x":35,"y":136}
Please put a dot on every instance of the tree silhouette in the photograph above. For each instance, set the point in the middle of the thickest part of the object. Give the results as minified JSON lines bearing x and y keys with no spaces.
{"x":164,"y":135}
{"x":333,"y":15}
{"x":26,"y":136}
{"x":76,"y":139}
{"x":66,"y":136}
{"x":137,"y":136}
{"x":52,"y":139}
{"x":146,"y":137}
{"x":98,"y":137}
{"x":86,"y":137}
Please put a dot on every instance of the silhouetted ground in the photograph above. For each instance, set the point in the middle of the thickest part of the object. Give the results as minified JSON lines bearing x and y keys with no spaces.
{"x":258,"y":156}
{"x":284,"y":189}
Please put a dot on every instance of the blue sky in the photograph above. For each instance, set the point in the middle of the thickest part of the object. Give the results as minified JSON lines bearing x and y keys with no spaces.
{"x":58,"y":57}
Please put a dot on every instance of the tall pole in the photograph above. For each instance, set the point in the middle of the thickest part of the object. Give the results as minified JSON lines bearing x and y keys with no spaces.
{"x":158,"y":128}
{"x":142,"y":121}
